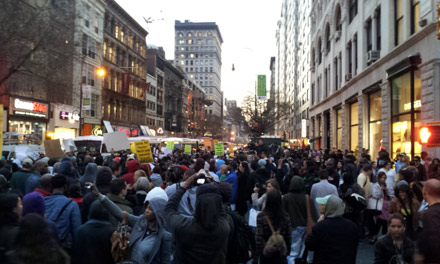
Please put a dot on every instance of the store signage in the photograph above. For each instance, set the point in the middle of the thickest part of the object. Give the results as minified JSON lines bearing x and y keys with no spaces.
{"x":160,"y":131}
{"x":303,"y":128}
{"x":69,"y":116}
{"x":30,"y":106}
{"x":97,"y":131}
{"x":417,"y":104}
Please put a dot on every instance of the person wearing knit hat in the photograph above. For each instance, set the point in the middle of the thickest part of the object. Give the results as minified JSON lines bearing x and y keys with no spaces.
{"x":156,"y":179}
{"x":33,"y":203}
{"x":262,"y":163}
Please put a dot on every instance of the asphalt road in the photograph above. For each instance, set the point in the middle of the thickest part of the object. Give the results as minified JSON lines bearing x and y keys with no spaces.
{"x":365,"y":253}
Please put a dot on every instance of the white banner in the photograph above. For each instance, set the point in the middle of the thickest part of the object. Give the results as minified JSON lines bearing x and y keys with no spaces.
{"x":86,"y":97}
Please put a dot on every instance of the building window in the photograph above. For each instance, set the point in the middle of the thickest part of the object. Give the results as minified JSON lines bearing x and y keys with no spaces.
{"x":378,"y":32}
{"x":350,"y":58}
{"x":398,"y":20}
{"x":327,"y":39}
{"x":415,"y":16}
{"x":336,"y":73}
{"x":319,"y":51}
{"x":339,"y":129}
{"x":338,"y":20}
{"x":405,"y":109}
{"x":313,"y":94}
{"x":353,"y":9}
{"x":354,"y":126}
{"x":375,"y":121}
{"x":355,"y":48}
{"x":369,"y":34}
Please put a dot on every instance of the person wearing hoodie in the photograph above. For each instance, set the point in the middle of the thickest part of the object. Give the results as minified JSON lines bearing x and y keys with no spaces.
{"x":92,"y":244}
{"x":103,"y":180}
{"x":34,"y":203}
{"x":295,"y":205}
{"x":334,"y":239}
{"x":66,"y":168}
{"x":89,"y":174}
{"x":142,"y":187}
{"x":208,"y":231}
{"x":149,"y":241}
{"x":62,"y":211}
{"x":219,"y":163}
{"x":132,"y":167}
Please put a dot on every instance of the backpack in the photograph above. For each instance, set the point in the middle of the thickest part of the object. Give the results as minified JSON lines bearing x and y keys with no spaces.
{"x":241,"y":248}
{"x":355,"y":200}
{"x":275,"y":243}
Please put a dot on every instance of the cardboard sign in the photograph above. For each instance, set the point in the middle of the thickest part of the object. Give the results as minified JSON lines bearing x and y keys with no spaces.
{"x":219,"y":151}
{"x":53,"y":148}
{"x":187,"y":149}
{"x":116,"y":141}
{"x":207,"y":143}
{"x":170,"y":145}
{"x":143,"y":151}
{"x":69,"y":145}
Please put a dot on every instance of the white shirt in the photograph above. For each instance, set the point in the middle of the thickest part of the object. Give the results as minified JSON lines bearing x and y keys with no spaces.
{"x":390,"y":181}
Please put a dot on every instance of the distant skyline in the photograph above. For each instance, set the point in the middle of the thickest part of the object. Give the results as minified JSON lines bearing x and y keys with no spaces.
{"x":248,"y":29}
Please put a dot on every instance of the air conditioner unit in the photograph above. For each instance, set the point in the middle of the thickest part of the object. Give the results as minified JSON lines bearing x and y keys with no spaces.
{"x":348,"y":77}
{"x":338,"y":34}
{"x":373,"y":55}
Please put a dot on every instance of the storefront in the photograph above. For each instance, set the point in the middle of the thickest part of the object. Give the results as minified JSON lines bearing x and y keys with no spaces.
{"x":131,"y":131}
{"x":64,"y":122}
{"x":28,"y":117}
{"x":375,"y":121}
{"x":405,"y":110}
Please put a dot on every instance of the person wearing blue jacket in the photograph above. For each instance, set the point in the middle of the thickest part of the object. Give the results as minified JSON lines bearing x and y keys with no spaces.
{"x":63,"y":212}
{"x":150,"y":243}
{"x":232,"y":179}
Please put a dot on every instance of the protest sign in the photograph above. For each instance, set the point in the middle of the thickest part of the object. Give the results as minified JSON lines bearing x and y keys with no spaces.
{"x":207,"y":143}
{"x":187,"y":149}
{"x":143,"y":151}
{"x":219,"y":151}
{"x":116,"y":141}
{"x":170,"y":145}
{"x":53,"y":148}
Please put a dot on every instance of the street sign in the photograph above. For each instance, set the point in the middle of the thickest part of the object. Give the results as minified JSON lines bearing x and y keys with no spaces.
{"x":429,"y":134}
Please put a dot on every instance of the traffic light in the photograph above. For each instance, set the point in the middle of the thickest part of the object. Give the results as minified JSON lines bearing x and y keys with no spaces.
{"x":429,"y":135}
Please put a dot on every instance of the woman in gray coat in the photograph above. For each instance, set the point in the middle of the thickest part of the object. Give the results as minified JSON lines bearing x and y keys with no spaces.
{"x":150,"y":243}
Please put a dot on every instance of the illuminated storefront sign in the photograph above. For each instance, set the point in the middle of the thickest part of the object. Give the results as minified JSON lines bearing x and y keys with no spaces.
{"x":69,"y":116}
{"x":28,"y":108}
{"x":417,"y":104}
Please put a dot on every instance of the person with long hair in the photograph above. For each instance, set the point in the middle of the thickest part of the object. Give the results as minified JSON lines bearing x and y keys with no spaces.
{"x":260,"y":203}
{"x":10,"y":212}
{"x":279,"y":219}
{"x":394,"y":247}
{"x":243,"y":194}
{"x":407,"y":206}
{"x":379,"y":192}
{"x":35,"y":244}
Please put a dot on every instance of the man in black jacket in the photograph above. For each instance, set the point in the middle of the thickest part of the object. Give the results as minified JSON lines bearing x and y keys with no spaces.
{"x":335,"y":239}
{"x":204,"y":238}
{"x":92,"y":244}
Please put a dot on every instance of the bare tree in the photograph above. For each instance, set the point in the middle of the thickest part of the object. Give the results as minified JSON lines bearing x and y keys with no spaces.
{"x":259,"y":119}
{"x":37,"y":48}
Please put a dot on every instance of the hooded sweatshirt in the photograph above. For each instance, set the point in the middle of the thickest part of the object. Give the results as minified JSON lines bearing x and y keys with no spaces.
{"x":295,"y":203}
{"x":147,"y":246}
{"x":89,"y":174}
{"x":335,"y":239}
{"x":132,"y":167}
{"x":208,"y":231}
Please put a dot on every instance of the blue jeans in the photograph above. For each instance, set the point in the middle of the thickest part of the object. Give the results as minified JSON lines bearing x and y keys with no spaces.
{"x":297,"y":246}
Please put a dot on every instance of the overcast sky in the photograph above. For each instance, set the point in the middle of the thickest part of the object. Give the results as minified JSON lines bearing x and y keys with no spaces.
{"x":248,"y":29}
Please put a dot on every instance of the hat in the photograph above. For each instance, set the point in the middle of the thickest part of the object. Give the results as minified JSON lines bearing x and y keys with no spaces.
{"x":322,"y":200}
{"x":156,"y":192}
{"x":33,"y":203}
{"x":156,"y":179}
{"x":27,"y":163}
{"x":130,"y":157}
{"x":402,"y":185}
{"x":262,"y":163}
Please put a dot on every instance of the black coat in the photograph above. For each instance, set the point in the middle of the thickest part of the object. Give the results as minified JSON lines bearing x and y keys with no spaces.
{"x":334,"y":240}
{"x":92,"y":244}
{"x":386,"y":251}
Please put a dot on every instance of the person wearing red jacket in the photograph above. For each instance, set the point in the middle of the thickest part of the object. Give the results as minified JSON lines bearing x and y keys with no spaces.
{"x":132,"y":167}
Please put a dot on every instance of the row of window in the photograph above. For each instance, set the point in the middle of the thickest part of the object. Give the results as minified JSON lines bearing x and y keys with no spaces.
{"x":125,"y":36}
{"x":196,"y":48}
{"x":119,"y":57}
{"x":197,"y":34}
{"x":114,"y":81}
{"x":196,"y":56}
{"x":196,"y":69}
{"x":151,"y":105}
{"x":194,"y":42}
{"x":118,"y":110}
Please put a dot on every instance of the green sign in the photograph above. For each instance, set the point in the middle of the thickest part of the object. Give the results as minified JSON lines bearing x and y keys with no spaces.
{"x":261,"y":92}
{"x":187,"y":149}
{"x":219,"y":151}
{"x":170,"y":145}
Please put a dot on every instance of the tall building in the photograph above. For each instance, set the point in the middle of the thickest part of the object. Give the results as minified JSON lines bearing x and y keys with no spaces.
{"x":198,"y":53}
{"x":124,"y":52}
{"x":374,"y":75}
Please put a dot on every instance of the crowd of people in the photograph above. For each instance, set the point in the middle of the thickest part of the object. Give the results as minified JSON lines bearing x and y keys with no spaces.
{"x":295,"y":206}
